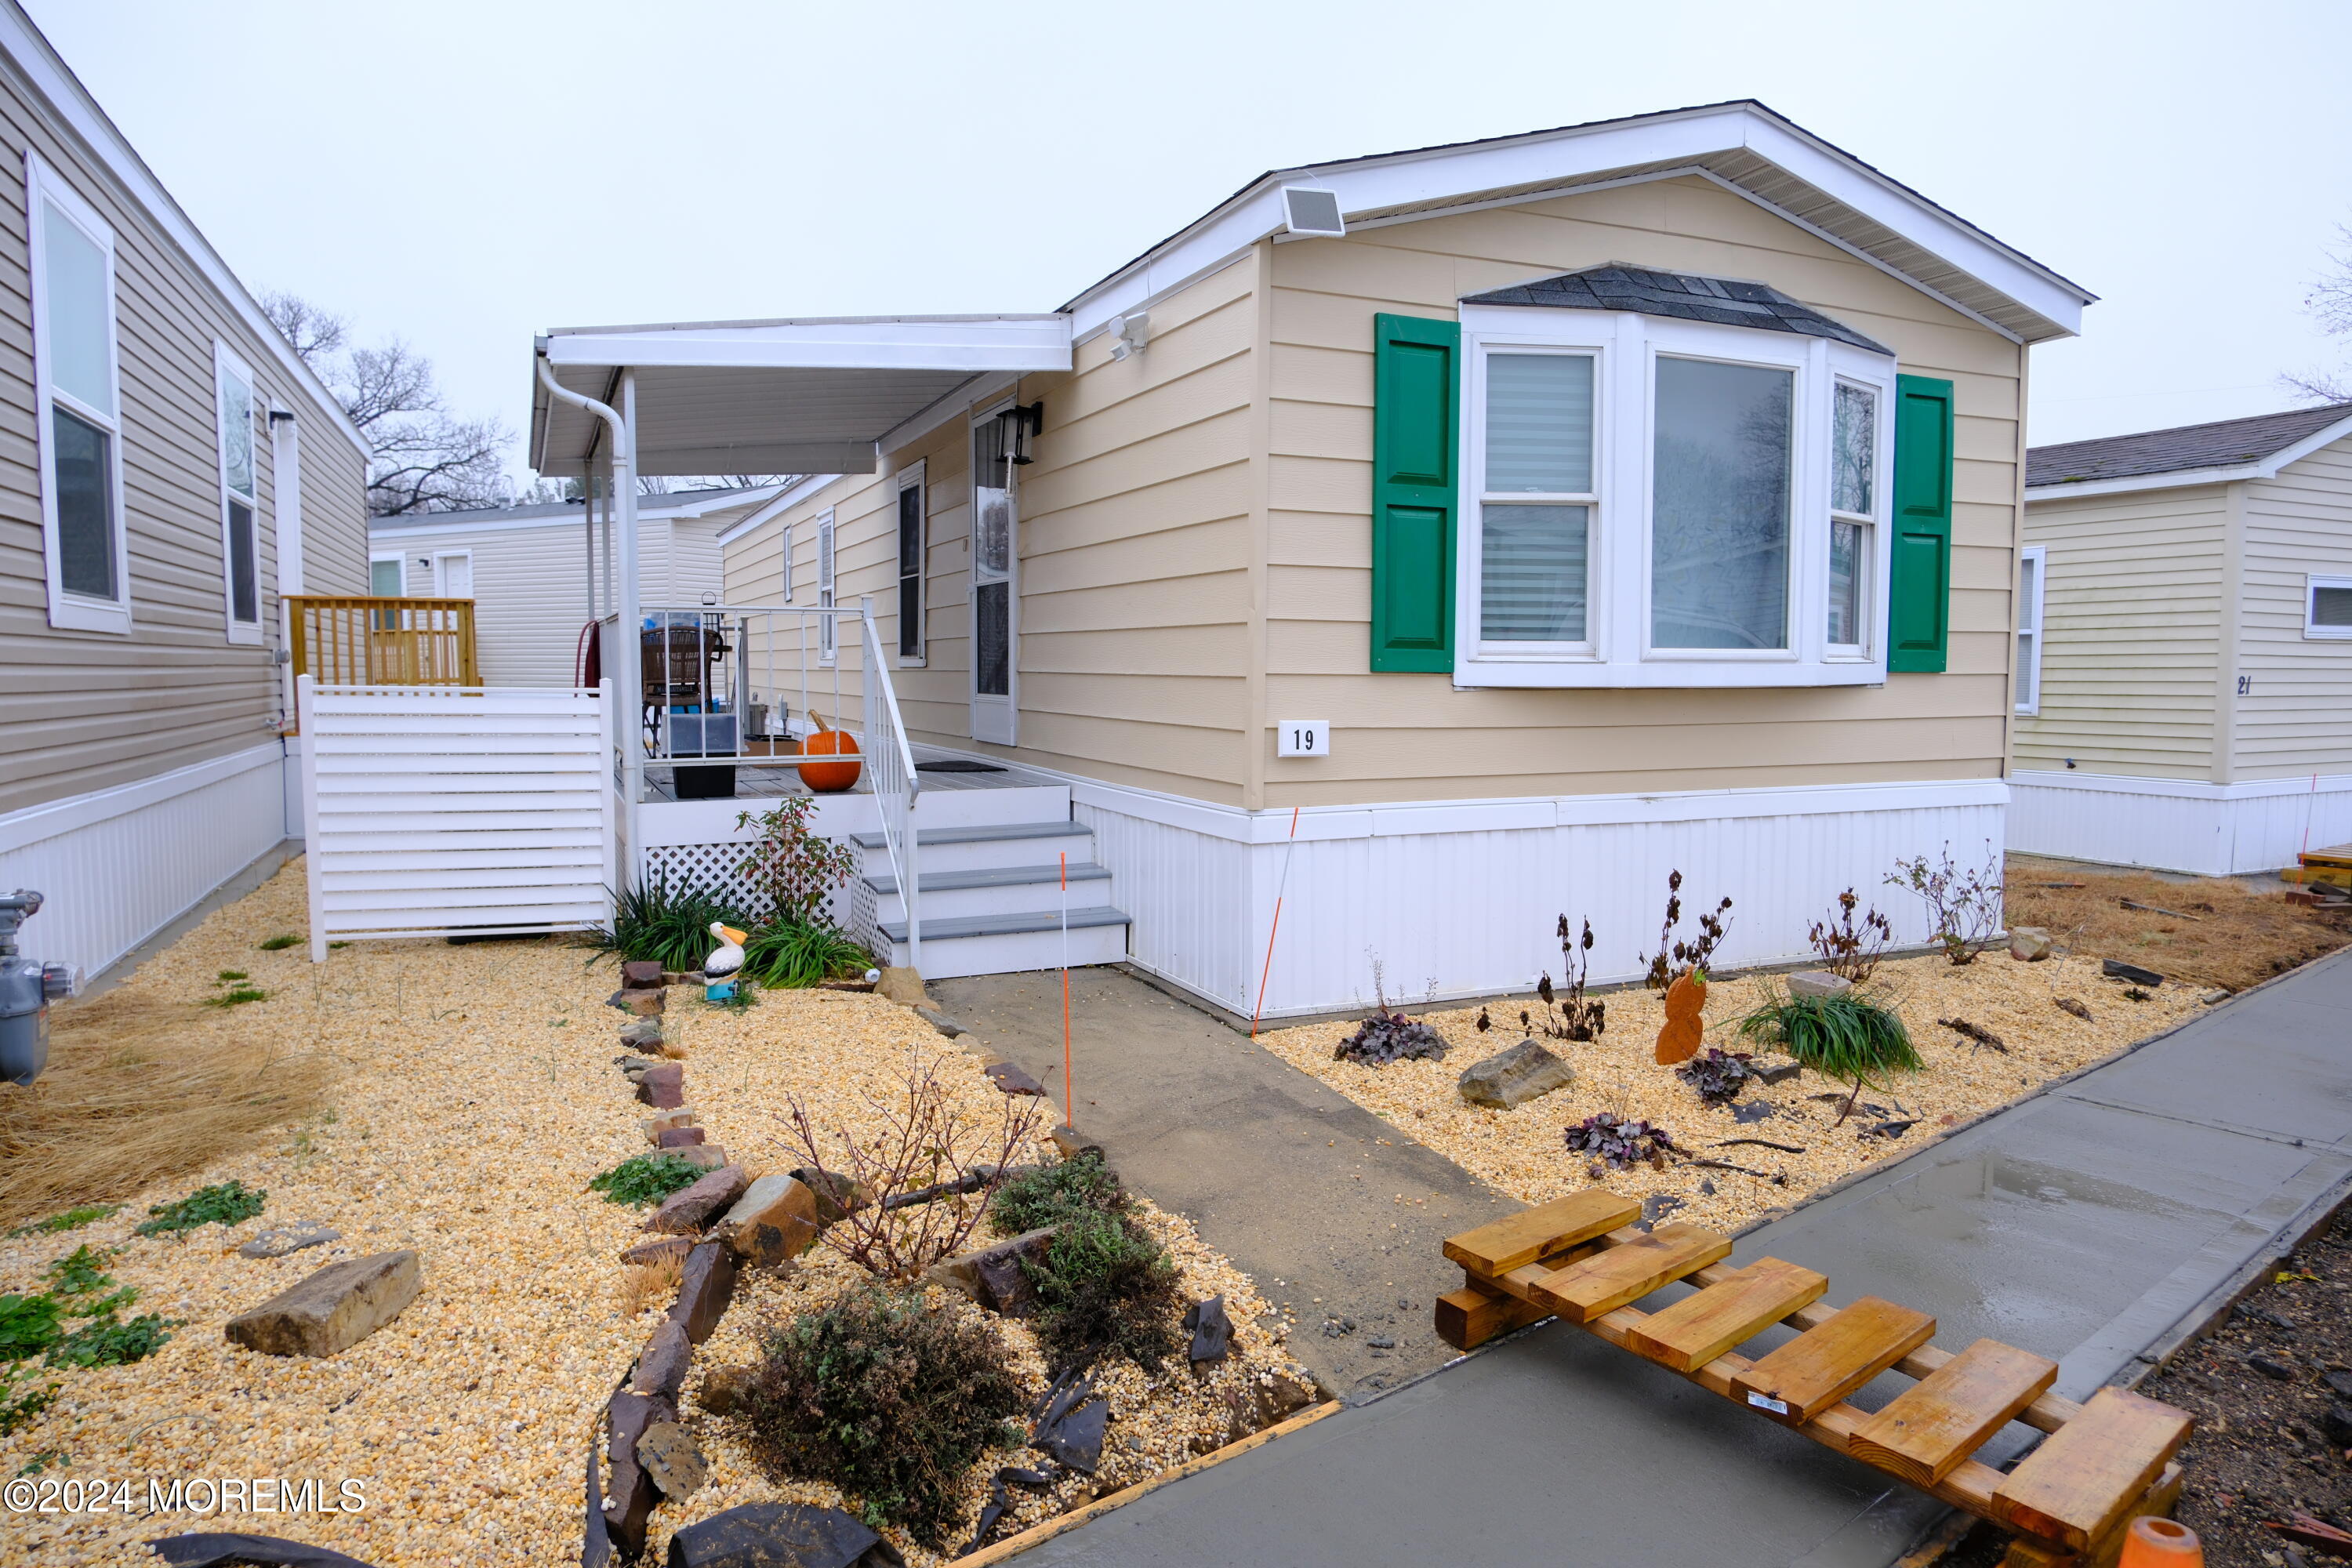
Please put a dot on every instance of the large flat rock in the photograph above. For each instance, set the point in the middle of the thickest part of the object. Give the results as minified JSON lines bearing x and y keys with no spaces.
{"x":334,"y":1309}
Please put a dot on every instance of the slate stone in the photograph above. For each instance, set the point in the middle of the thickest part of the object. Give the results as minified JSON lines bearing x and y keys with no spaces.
{"x":334,"y":1309}
{"x":836,"y":1195}
{"x":643,"y":1035}
{"x":704,"y":1290}
{"x":669,"y":1456}
{"x":629,"y":1492}
{"x":292,"y":1238}
{"x":662,"y":1251}
{"x":680,"y":1116}
{"x":937,"y":1020}
{"x":701,"y":1156}
{"x":992,"y":1276}
{"x":1010,"y":1078}
{"x":1075,"y":1438}
{"x":641,"y":1003}
{"x":1818,"y":983}
{"x":595,"y":1535}
{"x":1211,"y":1330}
{"x":2272,"y":1367}
{"x":1770,"y":1073}
{"x":1511,"y":1078}
{"x":677,"y":1137}
{"x":1070,"y":1143}
{"x":2116,"y":968}
{"x":662,"y":1364}
{"x":2338,"y":1425}
{"x":1749,"y":1112}
{"x":2339,"y":1383}
{"x":1656,"y":1206}
{"x":690,"y":1209}
{"x":219,"y":1549}
{"x":663,"y":1086}
{"x":781,"y":1535}
{"x":775,"y":1219}
{"x":642,"y":975}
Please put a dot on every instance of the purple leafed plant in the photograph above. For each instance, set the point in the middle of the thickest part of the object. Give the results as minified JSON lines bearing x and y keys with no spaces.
{"x":1718,"y":1075}
{"x":1386,"y":1037}
{"x":1621,"y":1142}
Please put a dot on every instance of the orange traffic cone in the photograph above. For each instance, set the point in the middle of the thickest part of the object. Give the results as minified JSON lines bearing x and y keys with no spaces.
{"x":2154,"y":1543}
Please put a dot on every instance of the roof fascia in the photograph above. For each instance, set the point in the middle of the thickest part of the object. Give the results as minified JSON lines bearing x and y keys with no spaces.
{"x":51,"y":76}
{"x":967,"y":343}
{"x":791,"y":497}
{"x":2270,"y":468}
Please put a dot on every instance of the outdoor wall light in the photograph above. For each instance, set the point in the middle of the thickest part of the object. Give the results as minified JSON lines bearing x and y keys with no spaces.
{"x":1022,"y":421}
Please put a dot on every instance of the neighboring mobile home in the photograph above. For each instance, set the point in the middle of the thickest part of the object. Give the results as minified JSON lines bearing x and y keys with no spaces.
{"x":171,"y":469}
{"x":1439,"y":541}
{"x":525,"y":569}
{"x":2184,"y":685}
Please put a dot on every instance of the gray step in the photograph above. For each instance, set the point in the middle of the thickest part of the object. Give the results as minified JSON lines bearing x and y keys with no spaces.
{"x":1055,"y":829}
{"x":1007,"y":925}
{"x":989,"y":877}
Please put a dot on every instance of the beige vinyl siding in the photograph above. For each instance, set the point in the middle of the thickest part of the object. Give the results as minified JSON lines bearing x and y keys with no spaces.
{"x":2132,"y":632}
{"x":1399,"y":736}
{"x":1135,"y":558}
{"x":86,"y":711}
{"x":2296,"y":716}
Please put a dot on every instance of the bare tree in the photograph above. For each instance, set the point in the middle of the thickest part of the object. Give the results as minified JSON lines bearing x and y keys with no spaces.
{"x":2330,"y":304}
{"x":425,"y":458}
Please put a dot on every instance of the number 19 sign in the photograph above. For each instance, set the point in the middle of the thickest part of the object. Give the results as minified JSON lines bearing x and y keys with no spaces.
{"x":1302,"y":738}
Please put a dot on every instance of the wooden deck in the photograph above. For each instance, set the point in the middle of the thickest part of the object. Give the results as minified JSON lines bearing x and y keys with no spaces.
{"x":766,"y":781}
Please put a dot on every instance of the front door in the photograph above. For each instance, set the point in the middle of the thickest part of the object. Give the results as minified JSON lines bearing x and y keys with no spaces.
{"x":995,"y":588}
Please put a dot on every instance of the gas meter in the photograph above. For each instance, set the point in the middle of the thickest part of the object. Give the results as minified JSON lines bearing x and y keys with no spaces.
{"x":28,"y":986}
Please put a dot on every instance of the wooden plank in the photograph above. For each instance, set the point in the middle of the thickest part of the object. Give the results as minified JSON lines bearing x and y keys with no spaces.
{"x":2081,"y":1480}
{"x":1821,"y":1366}
{"x":1471,"y":1316}
{"x":1695,"y":1329}
{"x":1541,"y":1231}
{"x":1930,"y":1427}
{"x":1608,"y":1281}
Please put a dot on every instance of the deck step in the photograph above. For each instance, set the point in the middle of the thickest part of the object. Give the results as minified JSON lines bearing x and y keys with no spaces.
{"x":926,"y":836}
{"x":1700,"y":1327}
{"x":1608,"y":1281}
{"x":1007,"y":925}
{"x":1544,"y":1231}
{"x":1823,"y":1365}
{"x":1924,"y":1433}
{"x":2077,"y":1485}
{"x":887,"y":883}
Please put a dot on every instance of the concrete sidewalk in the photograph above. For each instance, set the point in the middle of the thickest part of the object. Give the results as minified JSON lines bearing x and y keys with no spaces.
{"x":2092,"y":1223}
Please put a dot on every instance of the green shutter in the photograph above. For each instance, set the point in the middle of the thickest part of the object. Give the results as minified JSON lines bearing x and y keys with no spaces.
{"x":1416,"y":418}
{"x":1919,"y":617}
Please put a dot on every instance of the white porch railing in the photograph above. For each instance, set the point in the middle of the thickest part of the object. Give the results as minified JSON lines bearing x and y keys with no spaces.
{"x":890,"y":774}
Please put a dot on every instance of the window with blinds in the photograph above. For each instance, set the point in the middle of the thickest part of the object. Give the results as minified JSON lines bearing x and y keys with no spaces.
{"x":1535,"y":500}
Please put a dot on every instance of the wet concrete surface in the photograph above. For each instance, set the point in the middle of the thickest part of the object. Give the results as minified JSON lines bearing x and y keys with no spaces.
{"x":2088,"y":1223}
{"x":1332,"y":1211}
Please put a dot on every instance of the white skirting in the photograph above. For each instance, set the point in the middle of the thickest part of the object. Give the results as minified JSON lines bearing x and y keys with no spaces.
{"x":1461,"y":898}
{"x":2179,"y":824}
{"x":118,"y":864}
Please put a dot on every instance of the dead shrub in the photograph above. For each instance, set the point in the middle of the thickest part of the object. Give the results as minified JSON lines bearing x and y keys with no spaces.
{"x":138,"y":1092}
{"x":2202,"y":931}
{"x":644,"y":1285}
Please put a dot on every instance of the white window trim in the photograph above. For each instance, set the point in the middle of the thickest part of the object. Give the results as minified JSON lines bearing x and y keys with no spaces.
{"x":828,"y":570}
{"x":911,"y":477}
{"x":1626,"y":347}
{"x":398,"y":558}
{"x":43,"y":189}
{"x":440,"y":582}
{"x":1872,"y":521}
{"x":225,"y":364}
{"x":2032,"y":668}
{"x":2312,"y":630}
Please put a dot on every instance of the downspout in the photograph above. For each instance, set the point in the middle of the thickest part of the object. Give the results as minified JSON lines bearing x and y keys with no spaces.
{"x":629,"y":672}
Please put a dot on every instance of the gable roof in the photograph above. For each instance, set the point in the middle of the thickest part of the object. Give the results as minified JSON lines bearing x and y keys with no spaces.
{"x":1685,"y":296}
{"x":1740,"y":144}
{"x":2253,"y":448}
{"x":536,"y":514}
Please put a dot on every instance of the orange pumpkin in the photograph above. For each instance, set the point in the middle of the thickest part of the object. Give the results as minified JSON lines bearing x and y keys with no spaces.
{"x":830,"y":778}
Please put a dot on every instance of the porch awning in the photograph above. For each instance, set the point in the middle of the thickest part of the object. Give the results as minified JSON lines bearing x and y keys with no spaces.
{"x":798,"y":396}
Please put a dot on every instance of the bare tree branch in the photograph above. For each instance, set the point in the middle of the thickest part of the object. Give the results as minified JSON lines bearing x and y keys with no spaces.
{"x":2329,"y":303}
{"x":312,"y":332}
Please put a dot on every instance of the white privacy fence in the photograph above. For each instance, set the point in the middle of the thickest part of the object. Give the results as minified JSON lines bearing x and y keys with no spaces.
{"x":438,"y":811}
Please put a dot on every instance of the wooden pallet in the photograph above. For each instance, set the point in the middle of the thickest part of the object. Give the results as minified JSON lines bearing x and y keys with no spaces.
{"x":2104,"y":1463}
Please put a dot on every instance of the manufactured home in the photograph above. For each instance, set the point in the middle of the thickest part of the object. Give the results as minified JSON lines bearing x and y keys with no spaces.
{"x":2184,"y":667}
{"x":1433,"y":544}
{"x":174,"y":478}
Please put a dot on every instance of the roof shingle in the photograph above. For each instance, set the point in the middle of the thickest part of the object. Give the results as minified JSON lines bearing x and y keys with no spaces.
{"x":2224,"y":444}
{"x":1685,"y":296}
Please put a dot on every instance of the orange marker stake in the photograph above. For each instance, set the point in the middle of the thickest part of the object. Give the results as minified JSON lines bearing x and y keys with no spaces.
{"x":1280,"y":888}
{"x":1069,"y":1091}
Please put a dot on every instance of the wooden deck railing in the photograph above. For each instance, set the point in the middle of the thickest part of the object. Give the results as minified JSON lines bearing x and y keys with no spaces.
{"x":363,"y":641}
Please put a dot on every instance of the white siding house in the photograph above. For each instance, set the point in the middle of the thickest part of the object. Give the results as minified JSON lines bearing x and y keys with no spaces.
{"x":2184,"y":691}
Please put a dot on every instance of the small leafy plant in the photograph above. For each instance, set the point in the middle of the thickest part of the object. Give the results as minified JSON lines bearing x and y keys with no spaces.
{"x":1620,"y":1142}
{"x":229,"y":990}
{"x":1718,"y":1075}
{"x":1676,"y":957}
{"x":1104,"y":1288}
{"x":1386,"y":1037}
{"x":644,"y":1180}
{"x":1843,"y":1036}
{"x":279,"y":942}
{"x":890,"y":1401}
{"x":1848,"y":947}
{"x":1047,"y":1195}
{"x":1567,"y":1015}
{"x":71,"y":1219}
{"x":797,"y":869}
{"x":225,"y":1203}
{"x":79,"y":1287}
{"x":1964,"y":902}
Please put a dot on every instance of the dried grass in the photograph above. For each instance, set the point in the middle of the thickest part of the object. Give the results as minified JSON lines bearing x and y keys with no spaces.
{"x":2236,"y":936}
{"x":139,"y":1091}
{"x":654,"y":1284}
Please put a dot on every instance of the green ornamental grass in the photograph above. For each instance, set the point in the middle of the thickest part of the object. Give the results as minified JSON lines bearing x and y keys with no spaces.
{"x":791,"y":954}
{"x":653,"y":924}
{"x":1843,"y":1036}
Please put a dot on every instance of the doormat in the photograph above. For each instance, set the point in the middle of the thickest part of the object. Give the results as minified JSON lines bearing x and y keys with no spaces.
{"x":958,"y":765}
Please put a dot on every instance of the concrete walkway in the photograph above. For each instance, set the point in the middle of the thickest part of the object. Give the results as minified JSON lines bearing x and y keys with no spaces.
{"x":1328,"y":1207}
{"x":2092,"y":1223}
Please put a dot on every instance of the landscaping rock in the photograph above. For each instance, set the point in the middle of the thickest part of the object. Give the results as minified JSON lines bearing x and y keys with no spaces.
{"x":2338,"y":1425}
{"x":1777,"y":1073}
{"x":333,"y":1309}
{"x":724,"y":1389}
{"x":992,"y":1276}
{"x":662,"y":1364}
{"x":680,"y":1116}
{"x":1075,"y":1438}
{"x":776,"y":1219}
{"x":688,"y":1210}
{"x":629,"y":1493}
{"x":704,"y":1290}
{"x":1069,"y":1143}
{"x":2271,"y":1366}
{"x":1211,"y":1330}
{"x":1818,"y":983}
{"x":1279,"y":1395}
{"x":681,"y":977}
{"x":641,"y":1003}
{"x":643,"y":974}
{"x":661,"y":1251}
{"x":663,"y":1086}
{"x":643,"y":1035}
{"x":290,"y":1238}
{"x":220,"y":1549}
{"x":836,"y":1195}
{"x":781,"y":1535}
{"x":903,"y":985}
{"x":1747,"y":1114}
{"x":940,"y":1021}
{"x":2116,"y":968}
{"x":2030,"y":945}
{"x":1511,"y":1078}
{"x":2339,"y":1383}
{"x":701,"y":1156}
{"x":1012,"y":1080}
{"x":677,"y":1137}
{"x":2219,"y":994}
{"x":670,"y":1458}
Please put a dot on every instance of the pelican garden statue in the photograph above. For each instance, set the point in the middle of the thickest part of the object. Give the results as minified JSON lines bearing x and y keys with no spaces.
{"x":726,"y":961}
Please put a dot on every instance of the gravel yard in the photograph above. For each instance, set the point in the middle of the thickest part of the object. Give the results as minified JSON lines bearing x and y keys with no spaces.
{"x":476,"y":1094}
{"x":1520,"y":1151}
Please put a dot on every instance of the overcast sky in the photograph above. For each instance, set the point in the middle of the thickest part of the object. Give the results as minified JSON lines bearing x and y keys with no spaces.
{"x":466,"y":174}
